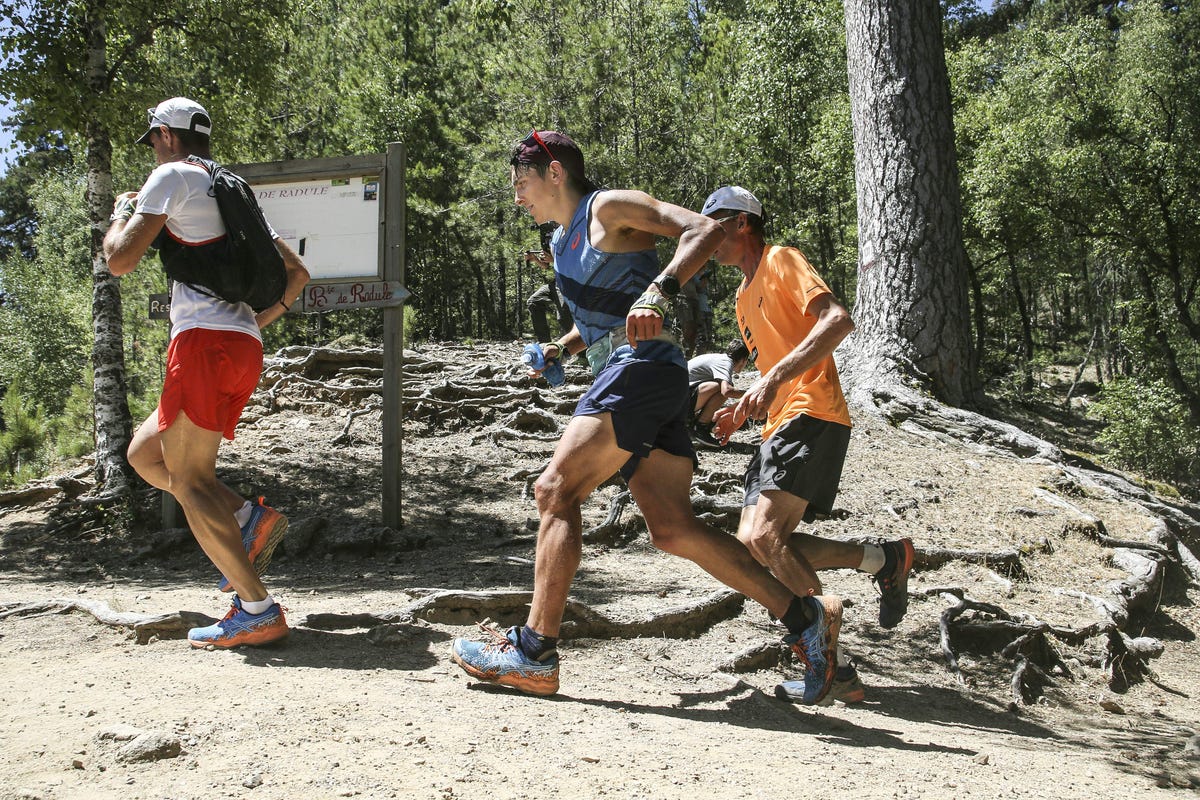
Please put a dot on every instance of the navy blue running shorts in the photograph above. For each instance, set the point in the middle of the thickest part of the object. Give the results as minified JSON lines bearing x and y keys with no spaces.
{"x":648,"y":401}
{"x":803,"y":458}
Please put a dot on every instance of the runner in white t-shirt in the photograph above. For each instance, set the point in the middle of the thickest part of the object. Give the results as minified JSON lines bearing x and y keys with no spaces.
{"x":213,"y":364}
{"x":710,"y":377}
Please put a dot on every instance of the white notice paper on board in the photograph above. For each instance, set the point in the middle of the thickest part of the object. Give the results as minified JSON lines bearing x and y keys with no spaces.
{"x":332,"y":224}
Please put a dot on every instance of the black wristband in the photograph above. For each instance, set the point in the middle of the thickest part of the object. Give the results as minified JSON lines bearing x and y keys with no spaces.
{"x":286,"y":307}
{"x":669,"y":285}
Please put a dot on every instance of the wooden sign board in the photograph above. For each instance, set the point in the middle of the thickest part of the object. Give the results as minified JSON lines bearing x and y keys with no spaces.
{"x":160,"y":306}
{"x":333,"y":223}
{"x":359,"y":294}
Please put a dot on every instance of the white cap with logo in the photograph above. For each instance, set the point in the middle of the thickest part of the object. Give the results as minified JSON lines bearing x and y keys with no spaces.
{"x":179,"y":113}
{"x":732,"y":198}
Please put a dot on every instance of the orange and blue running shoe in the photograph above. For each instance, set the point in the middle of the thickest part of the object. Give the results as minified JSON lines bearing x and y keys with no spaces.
{"x":846,"y":687}
{"x":500,"y":660}
{"x":260,"y":536}
{"x":893,"y":583}
{"x":816,"y":647}
{"x":240,"y":627}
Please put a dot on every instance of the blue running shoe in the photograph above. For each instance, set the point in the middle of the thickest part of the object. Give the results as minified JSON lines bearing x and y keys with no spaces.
{"x":501,"y":660}
{"x":816,"y":647}
{"x":260,"y":535}
{"x":240,"y":627}
{"x":846,"y":687}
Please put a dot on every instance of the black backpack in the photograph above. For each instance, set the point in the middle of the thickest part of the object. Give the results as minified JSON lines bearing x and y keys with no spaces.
{"x":244,"y":266}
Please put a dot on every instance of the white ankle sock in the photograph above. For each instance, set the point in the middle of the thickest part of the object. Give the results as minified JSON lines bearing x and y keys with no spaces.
{"x":872,"y":560}
{"x":242,"y":515}
{"x":257,"y":606}
{"x":843,"y":660}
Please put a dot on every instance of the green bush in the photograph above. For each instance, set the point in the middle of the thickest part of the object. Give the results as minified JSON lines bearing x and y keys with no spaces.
{"x":1147,"y":429}
{"x":22,"y":438}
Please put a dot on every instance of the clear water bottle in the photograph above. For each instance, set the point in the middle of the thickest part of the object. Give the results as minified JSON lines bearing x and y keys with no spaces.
{"x":551,"y":369}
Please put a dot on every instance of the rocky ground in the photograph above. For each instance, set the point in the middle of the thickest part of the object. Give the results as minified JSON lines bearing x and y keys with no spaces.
{"x":364,"y":700}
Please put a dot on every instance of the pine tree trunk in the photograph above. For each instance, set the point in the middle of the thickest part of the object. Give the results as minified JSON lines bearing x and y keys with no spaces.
{"x":912,"y":308}
{"x":113,"y":420}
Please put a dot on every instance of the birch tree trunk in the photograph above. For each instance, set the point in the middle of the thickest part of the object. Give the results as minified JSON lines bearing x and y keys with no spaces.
{"x":113,"y":420}
{"x":912,"y":308}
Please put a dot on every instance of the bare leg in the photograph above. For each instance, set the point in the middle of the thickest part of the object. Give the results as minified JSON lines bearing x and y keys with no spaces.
{"x":189,"y":458}
{"x":586,"y":456}
{"x":146,"y":457}
{"x":708,"y":400}
{"x":661,"y":488}
{"x":767,"y":530}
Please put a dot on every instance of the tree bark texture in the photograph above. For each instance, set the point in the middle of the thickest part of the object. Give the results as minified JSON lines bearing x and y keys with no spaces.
{"x":113,"y":420}
{"x":912,"y":308}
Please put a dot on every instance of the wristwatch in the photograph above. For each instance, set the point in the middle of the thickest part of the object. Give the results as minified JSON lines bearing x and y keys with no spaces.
{"x":668,"y":283}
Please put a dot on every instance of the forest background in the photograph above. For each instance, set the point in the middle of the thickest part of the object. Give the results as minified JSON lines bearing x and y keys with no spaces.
{"x":1076,"y":126}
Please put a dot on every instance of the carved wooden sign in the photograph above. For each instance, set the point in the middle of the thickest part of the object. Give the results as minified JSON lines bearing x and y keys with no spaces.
{"x":358,"y":294}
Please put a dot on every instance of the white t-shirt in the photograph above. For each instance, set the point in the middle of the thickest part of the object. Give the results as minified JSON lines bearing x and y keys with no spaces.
{"x":710,"y":367}
{"x":180,"y":190}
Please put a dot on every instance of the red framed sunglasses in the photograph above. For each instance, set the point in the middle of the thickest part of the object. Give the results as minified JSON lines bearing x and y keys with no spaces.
{"x":533,"y":134}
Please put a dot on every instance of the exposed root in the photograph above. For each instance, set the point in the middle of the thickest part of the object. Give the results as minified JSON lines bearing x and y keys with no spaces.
{"x":579,"y":622}
{"x":761,"y":656}
{"x":144,"y":626}
{"x":372,"y":405}
{"x":611,"y":531}
{"x":1007,"y":561}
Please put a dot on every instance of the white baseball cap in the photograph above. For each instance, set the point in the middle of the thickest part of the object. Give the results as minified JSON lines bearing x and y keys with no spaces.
{"x":180,"y":113}
{"x":732,"y":198}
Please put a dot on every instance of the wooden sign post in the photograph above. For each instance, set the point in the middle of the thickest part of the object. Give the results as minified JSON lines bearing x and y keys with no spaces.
{"x":345,"y":218}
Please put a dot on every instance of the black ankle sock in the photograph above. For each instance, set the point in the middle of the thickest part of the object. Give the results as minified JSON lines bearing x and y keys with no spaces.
{"x":798,"y":616}
{"x":536,"y":646}
{"x":889,"y":561}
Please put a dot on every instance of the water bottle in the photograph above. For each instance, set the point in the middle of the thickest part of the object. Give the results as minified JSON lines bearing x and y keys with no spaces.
{"x":535,"y":359}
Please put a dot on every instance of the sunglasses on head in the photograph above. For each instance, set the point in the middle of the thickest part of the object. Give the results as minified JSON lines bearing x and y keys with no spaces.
{"x":533,"y":135}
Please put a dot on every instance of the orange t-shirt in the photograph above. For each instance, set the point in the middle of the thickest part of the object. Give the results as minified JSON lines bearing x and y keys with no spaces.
{"x":772,"y":316}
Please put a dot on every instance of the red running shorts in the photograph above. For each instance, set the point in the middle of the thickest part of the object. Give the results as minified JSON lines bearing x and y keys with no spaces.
{"x":210,"y":376}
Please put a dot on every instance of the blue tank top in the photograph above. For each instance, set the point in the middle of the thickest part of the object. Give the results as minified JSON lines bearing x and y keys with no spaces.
{"x":600,"y":287}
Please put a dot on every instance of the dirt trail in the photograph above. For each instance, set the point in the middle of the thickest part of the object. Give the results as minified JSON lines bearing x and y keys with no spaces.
{"x":381,"y":711}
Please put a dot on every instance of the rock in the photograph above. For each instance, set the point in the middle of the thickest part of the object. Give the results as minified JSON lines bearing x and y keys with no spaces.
{"x":119,"y":733}
{"x":150,"y":746}
{"x":252,"y":781}
{"x":300,"y":534}
{"x":1112,"y":707}
{"x":1191,"y":748}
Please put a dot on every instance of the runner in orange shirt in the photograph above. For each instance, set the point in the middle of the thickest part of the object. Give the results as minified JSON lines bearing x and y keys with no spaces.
{"x":791,"y":323}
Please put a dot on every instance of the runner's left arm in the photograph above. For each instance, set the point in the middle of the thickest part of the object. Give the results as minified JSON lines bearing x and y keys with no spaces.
{"x":297,"y":278}
{"x":833,"y":325}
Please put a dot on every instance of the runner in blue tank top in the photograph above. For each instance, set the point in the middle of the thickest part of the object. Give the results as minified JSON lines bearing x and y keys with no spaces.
{"x":632,"y":419}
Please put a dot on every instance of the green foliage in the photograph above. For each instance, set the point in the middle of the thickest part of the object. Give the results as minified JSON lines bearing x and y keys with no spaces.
{"x":1076,"y":136}
{"x":73,"y":432}
{"x":1147,"y":429}
{"x":22,"y":434}
{"x":44,"y":321}
{"x":1082,"y":185}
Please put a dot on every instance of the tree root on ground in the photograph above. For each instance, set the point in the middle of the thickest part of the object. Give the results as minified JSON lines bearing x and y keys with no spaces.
{"x":1008,"y":561}
{"x":144,"y":626}
{"x":766,"y":655}
{"x":441,"y":607}
{"x":375,"y":404}
{"x":611,"y":532}
{"x":1025,"y":642}
{"x":579,"y":622}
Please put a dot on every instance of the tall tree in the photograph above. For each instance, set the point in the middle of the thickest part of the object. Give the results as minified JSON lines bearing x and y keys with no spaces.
{"x":912,"y":307}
